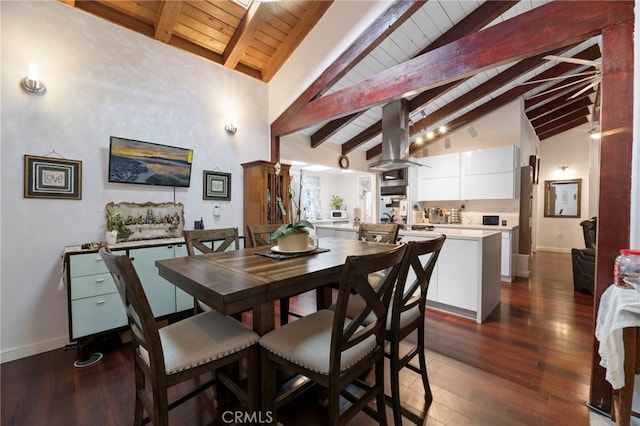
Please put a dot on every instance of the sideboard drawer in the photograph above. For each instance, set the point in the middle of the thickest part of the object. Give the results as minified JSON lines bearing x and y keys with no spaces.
{"x":92,"y":285}
{"x":87,"y":264}
{"x":99,"y":313}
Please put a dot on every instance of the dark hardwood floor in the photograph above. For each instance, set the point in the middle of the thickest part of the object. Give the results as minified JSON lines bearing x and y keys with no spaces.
{"x":528,"y":364}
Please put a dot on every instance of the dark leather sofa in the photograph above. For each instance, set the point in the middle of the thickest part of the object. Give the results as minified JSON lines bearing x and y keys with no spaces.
{"x":584,"y":260}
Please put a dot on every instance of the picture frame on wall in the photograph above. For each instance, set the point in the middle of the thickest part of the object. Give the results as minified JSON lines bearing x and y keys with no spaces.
{"x":46,"y":177}
{"x":216,"y":186}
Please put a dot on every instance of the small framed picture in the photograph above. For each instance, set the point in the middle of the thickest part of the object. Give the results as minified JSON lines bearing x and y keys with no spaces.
{"x":216,"y":186}
{"x":46,"y":177}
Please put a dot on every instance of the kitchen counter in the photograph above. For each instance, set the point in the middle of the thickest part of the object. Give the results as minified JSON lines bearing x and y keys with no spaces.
{"x":460,"y":233}
{"x":466,"y":281}
{"x":474,"y":226}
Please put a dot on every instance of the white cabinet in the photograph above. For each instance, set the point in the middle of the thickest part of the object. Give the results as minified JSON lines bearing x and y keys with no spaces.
{"x":489,"y":174}
{"x":458,"y":284}
{"x":509,"y":255}
{"x":466,"y":279}
{"x":350,"y":233}
{"x":94,"y":301}
{"x":440,"y":178}
{"x":160,"y":292}
{"x":95,"y":305}
{"x":483,"y":174}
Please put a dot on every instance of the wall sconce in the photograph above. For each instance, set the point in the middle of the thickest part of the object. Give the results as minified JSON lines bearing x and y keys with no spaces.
{"x":31,"y":84}
{"x":563,"y":168}
{"x":231,"y":128}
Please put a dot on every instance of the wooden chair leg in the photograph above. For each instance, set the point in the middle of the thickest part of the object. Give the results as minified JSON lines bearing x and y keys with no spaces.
{"x":380,"y":402}
{"x":394,"y":379}
{"x":284,"y":311}
{"x":139,"y":388}
{"x":428,"y":396}
{"x":268,"y":386}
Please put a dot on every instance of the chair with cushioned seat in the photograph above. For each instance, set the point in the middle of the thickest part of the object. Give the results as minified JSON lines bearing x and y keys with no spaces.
{"x":210,"y":241}
{"x":181,"y":351}
{"x":406,"y":315}
{"x":378,"y":232}
{"x":259,"y":236}
{"x":334,"y":351}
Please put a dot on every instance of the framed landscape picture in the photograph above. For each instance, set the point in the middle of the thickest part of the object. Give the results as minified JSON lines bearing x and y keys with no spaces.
{"x":46,"y":177}
{"x":216,"y":186}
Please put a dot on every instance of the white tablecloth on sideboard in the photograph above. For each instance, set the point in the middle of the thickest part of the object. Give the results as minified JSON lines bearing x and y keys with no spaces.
{"x":619,"y":308}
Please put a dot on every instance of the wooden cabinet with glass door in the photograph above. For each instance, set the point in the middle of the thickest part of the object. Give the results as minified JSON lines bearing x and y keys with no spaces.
{"x":263,"y":183}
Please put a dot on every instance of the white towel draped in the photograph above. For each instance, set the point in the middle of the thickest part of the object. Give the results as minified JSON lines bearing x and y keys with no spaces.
{"x":619,"y":308}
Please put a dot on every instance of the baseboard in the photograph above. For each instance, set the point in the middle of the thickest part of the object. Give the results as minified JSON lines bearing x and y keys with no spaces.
{"x":554,"y":249}
{"x":34,"y":349}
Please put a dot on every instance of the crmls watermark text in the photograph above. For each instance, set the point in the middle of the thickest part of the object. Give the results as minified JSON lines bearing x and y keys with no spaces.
{"x":242,"y":417}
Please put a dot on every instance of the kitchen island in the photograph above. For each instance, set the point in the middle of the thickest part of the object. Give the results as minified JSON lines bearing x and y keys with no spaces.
{"x":466,"y":280}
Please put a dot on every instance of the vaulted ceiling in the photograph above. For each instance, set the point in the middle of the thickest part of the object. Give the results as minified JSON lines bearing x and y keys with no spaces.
{"x":256,"y":40}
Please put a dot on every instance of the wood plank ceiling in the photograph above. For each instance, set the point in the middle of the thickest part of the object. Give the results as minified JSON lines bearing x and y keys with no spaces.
{"x":254,"y":38}
{"x":257,"y":38}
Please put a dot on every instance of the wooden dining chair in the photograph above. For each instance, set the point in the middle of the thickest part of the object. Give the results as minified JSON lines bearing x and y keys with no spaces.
{"x":218,"y":240}
{"x":379,"y":232}
{"x":260,"y":236}
{"x":334,"y":351}
{"x":406,"y":315}
{"x":181,"y":351}
{"x":202,"y":241}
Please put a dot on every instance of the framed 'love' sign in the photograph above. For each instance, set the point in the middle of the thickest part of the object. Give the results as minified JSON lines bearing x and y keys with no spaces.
{"x":46,"y":177}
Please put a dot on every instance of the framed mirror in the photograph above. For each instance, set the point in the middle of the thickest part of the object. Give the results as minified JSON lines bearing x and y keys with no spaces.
{"x":562,"y":198}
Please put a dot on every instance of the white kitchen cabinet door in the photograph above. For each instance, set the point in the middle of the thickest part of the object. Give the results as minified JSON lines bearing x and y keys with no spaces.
{"x":496,"y":186}
{"x":436,"y":189}
{"x":459,"y":281}
{"x":160,"y":292}
{"x":347,"y":235}
{"x":488,"y":161}
{"x":325,"y":233}
{"x":439,"y":166}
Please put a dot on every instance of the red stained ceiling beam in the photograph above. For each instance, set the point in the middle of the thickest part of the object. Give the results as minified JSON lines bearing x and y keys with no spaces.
{"x":475,"y":21}
{"x":567,"y":126}
{"x":560,"y":111}
{"x":388,"y":22}
{"x":562,"y":120}
{"x":551,"y":26}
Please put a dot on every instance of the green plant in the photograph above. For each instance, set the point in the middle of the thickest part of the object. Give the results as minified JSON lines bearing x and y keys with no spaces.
{"x":337,"y":201}
{"x":112,"y":220}
{"x":295,"y":225}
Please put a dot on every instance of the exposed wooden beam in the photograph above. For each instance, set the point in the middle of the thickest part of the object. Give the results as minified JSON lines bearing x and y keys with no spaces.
{"x":329,"y":129}
{"x":476,"y":20}
{"x":482,"y":90}
{"x":551,"y":26}
{"x":533,"y":110}
{"x":115,"y":16}
{"x":244,"y":33}
{"x":559,"y":121}
{"x":560,"y":109}
{"x":386,"y":23}
{"x":166,"y":19}
{"x":315,"y":10}
{"x":560,"y":129}
{"x":497,"y":102}
{"x":614,"y":219}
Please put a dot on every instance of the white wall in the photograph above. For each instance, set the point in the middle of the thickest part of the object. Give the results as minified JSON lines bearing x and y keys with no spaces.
{"x":572,"y":149}
{"x":102,"y":80}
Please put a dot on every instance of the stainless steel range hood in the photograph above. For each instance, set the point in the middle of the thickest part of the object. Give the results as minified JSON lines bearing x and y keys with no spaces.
{"x":395,"y":137}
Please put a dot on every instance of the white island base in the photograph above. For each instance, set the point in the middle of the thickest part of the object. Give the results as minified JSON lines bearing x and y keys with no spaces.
{"x":466,"y":279}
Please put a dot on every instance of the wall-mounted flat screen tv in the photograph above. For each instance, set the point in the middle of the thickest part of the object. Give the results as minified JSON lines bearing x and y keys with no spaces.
{"x":149,"y":163}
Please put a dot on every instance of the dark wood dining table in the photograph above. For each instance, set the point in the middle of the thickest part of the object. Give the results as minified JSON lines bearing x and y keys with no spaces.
{"x":235,"y":281}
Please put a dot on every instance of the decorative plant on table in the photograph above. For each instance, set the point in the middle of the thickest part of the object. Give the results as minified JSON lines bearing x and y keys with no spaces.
{"x":337,"y":201}
{"x":113,"y":223}
{"x":296,"y":226}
